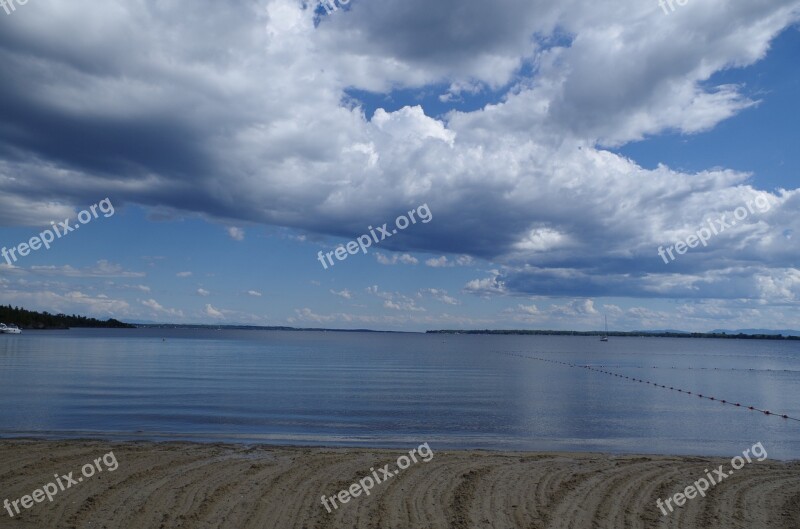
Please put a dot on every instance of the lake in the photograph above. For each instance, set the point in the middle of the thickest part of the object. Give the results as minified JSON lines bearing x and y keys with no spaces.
{"x":399,"y":390}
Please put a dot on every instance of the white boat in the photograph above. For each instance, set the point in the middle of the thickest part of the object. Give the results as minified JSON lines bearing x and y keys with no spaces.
{"x":11,"y":329}
{"x":605,"y":336}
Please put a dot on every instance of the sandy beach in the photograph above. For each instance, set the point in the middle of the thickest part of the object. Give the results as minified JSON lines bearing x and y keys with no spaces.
{"x":172,"y":485}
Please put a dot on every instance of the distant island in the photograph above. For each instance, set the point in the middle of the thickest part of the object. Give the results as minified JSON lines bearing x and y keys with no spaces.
{"x":28,"y":319}
{"x":640,"y":334}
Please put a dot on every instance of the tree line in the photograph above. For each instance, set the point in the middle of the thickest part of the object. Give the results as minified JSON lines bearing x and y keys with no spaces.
{"x":28,"y":319}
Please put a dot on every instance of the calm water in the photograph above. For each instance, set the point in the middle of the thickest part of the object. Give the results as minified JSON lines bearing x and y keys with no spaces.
{"x":400,"y":390}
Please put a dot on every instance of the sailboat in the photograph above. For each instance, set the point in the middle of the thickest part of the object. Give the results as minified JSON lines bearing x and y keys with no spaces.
{"x":605,"y":336}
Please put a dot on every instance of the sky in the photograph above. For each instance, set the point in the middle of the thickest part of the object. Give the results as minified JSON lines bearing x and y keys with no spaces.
{"x":565,"y":162}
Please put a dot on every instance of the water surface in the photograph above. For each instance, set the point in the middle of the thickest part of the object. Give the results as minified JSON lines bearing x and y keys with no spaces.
{"x":398,"y":390}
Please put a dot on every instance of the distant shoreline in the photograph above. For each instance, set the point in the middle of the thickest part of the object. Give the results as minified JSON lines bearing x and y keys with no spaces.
{"x":486,"y":332}
{"x":632,"y":334}
{"x":32,"y":320}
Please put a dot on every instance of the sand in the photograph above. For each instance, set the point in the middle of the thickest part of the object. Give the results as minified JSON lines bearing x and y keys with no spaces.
{"x":166,"y":485}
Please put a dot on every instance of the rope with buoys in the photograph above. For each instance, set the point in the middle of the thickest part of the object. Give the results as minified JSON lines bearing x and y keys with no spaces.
{"x":641,"y":381}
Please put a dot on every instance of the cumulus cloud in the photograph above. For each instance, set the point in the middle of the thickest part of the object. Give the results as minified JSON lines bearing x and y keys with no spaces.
{"x":402,"y":305}
{"x":237,"y":234}
{"x":211,"y":312}
{"x":99,"y":305}
{"x":221,"y":129}
{"x":395,"y":259}
{"x":395,"y":300}
{"x":487,"y":287}
{"x":439,"y":295}
{"x":437,"y":262}
{"x":346,"y":294}
{"x":203,"y":292}
{"x":156,"y":307}
{"x":444,"y":262}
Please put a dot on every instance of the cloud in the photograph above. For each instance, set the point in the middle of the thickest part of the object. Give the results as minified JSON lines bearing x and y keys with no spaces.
{"x":398,"y":319}
{"x":237,"y":234}
{"x":156,"y":307}
{"x":526,"y":181}
{"x":487,"y":287}
{"x":464,"y":260}
{"x":395,"y":300}
{"x":404,"y":304}
{"x":184,"y":274}
{"x":308,"y":315}
{"x":254,"y":293}
{"x":212,"y":312}
{"x":439,"y":262}
{"x":346,"y":294}
{"x":102,"y":268}
{"x":203,"y":292}
{"x":530,"y":310}
{"x":99,"y":304}
{"x":394,"y":259}
{"x":444,"y":262}
{"x":440,"y":295}
{"x":575,"y":308}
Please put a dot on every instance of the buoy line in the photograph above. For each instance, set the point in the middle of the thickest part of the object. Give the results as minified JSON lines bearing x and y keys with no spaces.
{"x":672,"y":388}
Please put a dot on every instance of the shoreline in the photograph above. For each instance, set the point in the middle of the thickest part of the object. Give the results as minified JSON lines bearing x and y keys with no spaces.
{"x":189,"y":484}
{"x":388,"y":447}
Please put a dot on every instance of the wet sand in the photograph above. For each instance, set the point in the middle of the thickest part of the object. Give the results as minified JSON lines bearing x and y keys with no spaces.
{"x":172,"y":485}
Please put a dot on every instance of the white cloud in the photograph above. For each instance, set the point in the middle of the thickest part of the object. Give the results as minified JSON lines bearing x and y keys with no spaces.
{"x":487,"y":287}
{"x":394,"y":259}
{"x":254,"y":293}
{"x":203,"y":292}
{"x":403,"y":303}
{"x":155,"y":306}
{"x":346,"y":294}
{"x":102,"y":268}
{"x":235,"y":233}
{"x":309,"y":315}
{"x":439,"y":262}
{"x":464,"y":260}
{"x":184,"y":274}
{"x":440,"y":295}
{"x":575,"y":308}
{"x":212,"y":312}
{"x":444,"y":262}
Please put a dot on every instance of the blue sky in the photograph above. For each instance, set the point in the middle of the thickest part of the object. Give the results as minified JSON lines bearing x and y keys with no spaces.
{"x":557,"y":146}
